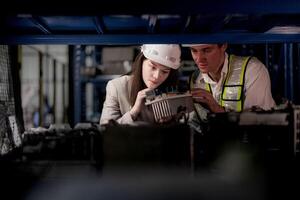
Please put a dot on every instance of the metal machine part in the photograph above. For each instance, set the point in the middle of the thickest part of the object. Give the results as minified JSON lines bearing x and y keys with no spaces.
{"x":61,"y":142}
{"x":271,"y":135}
{"x":289,"y":118}
{"x":296,"y":124}
{"x":167,"y":105}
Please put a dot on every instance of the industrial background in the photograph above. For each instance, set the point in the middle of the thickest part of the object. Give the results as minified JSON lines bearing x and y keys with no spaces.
{"x":56,"y":61}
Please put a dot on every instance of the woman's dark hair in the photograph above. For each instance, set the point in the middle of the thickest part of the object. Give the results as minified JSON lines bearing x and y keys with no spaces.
{"x":138,"y":82}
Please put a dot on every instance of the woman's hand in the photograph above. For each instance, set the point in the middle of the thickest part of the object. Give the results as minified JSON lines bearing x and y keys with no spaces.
{"x":204,"y":97}
{"x":139,"y":103}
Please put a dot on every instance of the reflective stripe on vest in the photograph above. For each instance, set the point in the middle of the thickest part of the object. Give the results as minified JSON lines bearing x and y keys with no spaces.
{"x":232,"y":96}
{"x":232,"y":92}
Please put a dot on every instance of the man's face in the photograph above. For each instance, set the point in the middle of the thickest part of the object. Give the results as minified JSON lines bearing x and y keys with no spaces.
{"x":209,"y":57}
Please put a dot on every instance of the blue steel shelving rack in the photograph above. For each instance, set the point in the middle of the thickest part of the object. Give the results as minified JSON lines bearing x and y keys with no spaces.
{"x":170,"y":21}
{"x":79,"y":82}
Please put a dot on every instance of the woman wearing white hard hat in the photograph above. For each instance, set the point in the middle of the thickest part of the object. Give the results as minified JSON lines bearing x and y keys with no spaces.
{"x":155,"y":67}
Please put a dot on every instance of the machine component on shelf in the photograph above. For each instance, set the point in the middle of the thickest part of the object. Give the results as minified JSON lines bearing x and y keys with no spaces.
{"x":10,"y":134}
{"x":270,"y":135}
{"x":287,"y":120}
{"x":168,"y":105}
{"x":265,"y":136}
{"x":60,"y":142}
{"x":296,"y":125}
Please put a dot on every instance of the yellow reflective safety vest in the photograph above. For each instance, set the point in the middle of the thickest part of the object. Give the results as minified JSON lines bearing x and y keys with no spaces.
{"x":232,"y":96}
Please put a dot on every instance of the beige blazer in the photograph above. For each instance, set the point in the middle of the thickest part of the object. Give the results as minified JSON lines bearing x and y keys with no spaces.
{"x":117,"y":105}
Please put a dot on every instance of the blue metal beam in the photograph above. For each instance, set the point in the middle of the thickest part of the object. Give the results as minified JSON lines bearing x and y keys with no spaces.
{"x":132,"y":39}
{"x":152,"y":23}
{"x":187,"y":23}
{"x":40,"y":24}
{"x":90,"y":7}
{"x":99,"y":25}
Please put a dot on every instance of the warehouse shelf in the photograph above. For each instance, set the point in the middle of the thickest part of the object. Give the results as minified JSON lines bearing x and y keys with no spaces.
{"x":272,"y":24}
{"x":118,"y":22}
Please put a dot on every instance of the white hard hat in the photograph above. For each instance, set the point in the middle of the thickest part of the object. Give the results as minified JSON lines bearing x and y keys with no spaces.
{"x":164,"y":54}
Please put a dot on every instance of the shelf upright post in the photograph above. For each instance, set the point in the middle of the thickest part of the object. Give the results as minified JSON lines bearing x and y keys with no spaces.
{"x":288,"y":71}
{"x":77,"y":83}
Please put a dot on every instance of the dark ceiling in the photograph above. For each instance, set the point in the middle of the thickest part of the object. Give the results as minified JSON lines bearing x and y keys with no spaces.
{"x":128,"y":22}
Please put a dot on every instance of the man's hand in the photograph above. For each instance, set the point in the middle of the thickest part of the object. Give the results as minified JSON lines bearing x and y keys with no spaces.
{"x":204,"y":97}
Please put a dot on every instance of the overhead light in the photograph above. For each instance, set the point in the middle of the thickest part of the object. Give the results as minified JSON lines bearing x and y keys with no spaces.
{"x":284,"y":30}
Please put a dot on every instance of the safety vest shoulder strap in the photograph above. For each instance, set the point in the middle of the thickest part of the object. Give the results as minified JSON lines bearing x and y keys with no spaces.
{"x":193,"y":79}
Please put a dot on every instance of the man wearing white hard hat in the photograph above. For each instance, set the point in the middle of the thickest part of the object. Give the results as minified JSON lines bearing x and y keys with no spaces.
{"x":155,"y":67}
{"x":226,"y":82}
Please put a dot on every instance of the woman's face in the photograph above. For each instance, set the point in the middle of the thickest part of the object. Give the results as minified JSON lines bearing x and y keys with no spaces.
{"x":154,"y":74}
